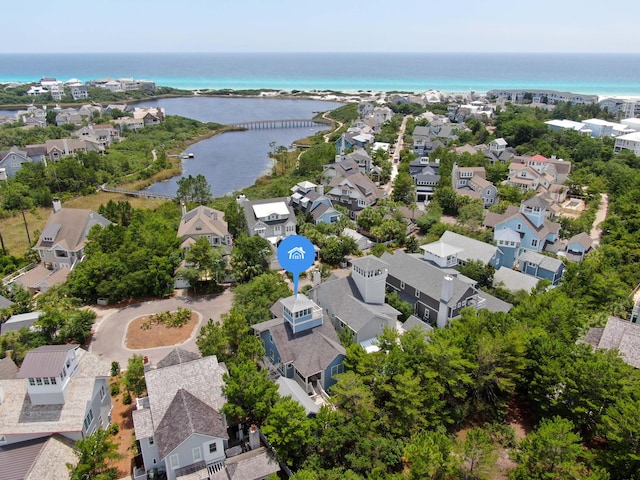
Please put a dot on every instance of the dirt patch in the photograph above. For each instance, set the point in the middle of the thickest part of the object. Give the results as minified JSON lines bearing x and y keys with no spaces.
{"x":159,"y":335}
{"x":121,"y":414}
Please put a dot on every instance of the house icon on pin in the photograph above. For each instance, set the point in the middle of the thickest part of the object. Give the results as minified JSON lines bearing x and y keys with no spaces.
{"x":296,"y":253}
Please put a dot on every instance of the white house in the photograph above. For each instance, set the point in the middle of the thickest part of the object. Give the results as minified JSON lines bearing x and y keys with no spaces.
{"x":630,"y":141}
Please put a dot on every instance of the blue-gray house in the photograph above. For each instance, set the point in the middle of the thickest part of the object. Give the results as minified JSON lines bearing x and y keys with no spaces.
{"x":301,"y":344}
{"x":523,"y":229}
{"x":540,"y":266}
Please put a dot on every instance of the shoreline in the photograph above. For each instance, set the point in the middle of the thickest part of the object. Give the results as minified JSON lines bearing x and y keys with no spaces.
{"x":328,"y":95}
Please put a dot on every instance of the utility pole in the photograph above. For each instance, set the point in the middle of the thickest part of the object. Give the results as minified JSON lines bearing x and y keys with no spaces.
{"x":26,"y":227}
{"x":4,"y":250}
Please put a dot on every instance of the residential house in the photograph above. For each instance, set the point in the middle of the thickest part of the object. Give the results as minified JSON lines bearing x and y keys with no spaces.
{"x":514,"y":281}
{"x":37,"y":153}
{"x":578,"y":246}
{"x":437,"y":295}
{"x":308,"y":198}
{"x":362,"y":242}
{"x":203,"y":222}
{"x":356,"y":303}
{"x":37,"y":90}
{"x":79,"y":92}
{"x":8,"y":369}
{"x":558,"y":125}
{"x":64,"y":147}
{"x":59,"y":390}
{"x":360,"y":156}
{"x":618,"y":334}
{"x":349,"y":187}
{"x":544,"y":96}
{"x":149,"y":115}
{"x":524,"y":228}
{"x":179,"y":425}
{"x":69,"y":116}
{"x":5,"y":302}
{"x":603,"y":128}
{"x":540,"y":266}
{"x":472,"y":182}
{"x":20,"y":321}
{"x":41,"y":278}
{"x":61,"y":243}
{"x":301,"y":344}
{"x":128,"y":123}
{"x":425,"y":177}
{"x":467,"y":250}
{"x":272,"y":218}
{"x":102,"y":135}
{"x":633,"y":123}
{"x":11,"y":161}
{"x":630,"y":141}
{"x":56,"y":91}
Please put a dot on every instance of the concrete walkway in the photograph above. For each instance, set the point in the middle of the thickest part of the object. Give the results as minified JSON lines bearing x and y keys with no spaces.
{"x":111,"y":325}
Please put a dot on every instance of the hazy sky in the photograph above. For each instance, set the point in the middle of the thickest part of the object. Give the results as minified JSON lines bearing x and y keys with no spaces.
{"x":39,"y":26}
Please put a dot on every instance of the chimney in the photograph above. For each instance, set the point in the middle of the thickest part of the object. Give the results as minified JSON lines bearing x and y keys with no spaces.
{"x":445,"y":296}
{"x":254,"y":437}
{"x":57,"y":205}
{"x":320,"y":189}
{"x":184,"y":209}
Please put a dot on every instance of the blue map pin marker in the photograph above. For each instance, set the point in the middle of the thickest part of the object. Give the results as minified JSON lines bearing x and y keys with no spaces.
{"x":295,"y":255}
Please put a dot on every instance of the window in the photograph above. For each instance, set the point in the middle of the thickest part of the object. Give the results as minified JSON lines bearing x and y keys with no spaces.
{"x":102,"y":392}
{"x":32,"y":381}
{"x":402,"y":285}
{"x":88,"y":419}
{"x":53,"y":380}
{"x":174,"y":461}
{"x":46,"y":380}
{"x":38,"y":381}
{"x":425,"y":315}
{"x":534,"y":242}
{"x":336,"y":370}
{"x":151,"y":442}
{"x":417,"y":293}
{"x":197,"y":454}
{"x":213,"y":447}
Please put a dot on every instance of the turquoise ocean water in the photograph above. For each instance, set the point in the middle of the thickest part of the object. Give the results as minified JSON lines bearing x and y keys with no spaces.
{"x":611,"y":74}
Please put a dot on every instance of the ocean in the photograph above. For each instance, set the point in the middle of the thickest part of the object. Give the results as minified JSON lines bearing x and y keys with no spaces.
{"x":601,"y":74}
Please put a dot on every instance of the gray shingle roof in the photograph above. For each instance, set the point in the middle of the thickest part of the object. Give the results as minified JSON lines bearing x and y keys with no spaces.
{"x":202,"y":378}
{"x":543,"y":261}
{"x":185,"y":416}
{"x":176,"y":357}
{"x":623,"y":336}
{"x":472,"y":249}
{"x":311,"y":351}
{"x":5,"y":302}
{"x":8,"y":369}
{"x":425,"y":277}
{"x":369,"y":263}
{"x":342,"y":298}
{"x":513,"y":280}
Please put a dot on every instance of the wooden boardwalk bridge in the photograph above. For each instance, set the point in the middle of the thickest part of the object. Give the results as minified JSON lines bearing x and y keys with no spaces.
{"x":270,"y":124}
{"x":138,"y":193}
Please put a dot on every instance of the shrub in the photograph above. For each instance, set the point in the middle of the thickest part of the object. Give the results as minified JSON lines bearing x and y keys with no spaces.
{"x":113,"y":428}
{"x":115,"y":369}
{"x":114,"y":389}
{"x":126,"y":398}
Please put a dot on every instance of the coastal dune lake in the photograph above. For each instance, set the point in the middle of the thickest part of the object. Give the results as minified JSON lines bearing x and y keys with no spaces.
{"x":235,"y":160}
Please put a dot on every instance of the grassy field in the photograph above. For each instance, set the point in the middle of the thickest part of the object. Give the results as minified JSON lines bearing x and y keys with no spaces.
{"x":13,"y":229}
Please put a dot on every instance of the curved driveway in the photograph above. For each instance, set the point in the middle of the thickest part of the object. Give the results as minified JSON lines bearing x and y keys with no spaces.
{"x":111,"y":325}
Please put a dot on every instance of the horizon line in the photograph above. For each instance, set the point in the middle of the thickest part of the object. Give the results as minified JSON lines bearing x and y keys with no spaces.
{"x":457,"y":52}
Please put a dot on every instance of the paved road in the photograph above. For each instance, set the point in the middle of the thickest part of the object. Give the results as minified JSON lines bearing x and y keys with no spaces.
{"x":111,"y":325}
